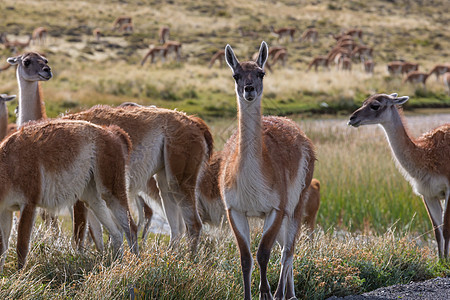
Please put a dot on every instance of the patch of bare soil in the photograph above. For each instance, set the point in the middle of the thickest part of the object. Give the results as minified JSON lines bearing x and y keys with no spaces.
{"x":433,"y":289}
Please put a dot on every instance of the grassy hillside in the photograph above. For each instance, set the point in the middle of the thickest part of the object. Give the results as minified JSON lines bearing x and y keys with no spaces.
{"x":88,"y":72}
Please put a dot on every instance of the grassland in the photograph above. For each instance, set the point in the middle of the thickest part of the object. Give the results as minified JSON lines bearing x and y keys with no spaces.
{"x":332,"y":264}
{"x":88,"y":72}
{"x":373,"y":231}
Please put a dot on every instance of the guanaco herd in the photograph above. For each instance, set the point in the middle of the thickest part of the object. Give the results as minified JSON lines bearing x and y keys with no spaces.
{"x":102,"y":160}
{"x":348,"y":48}
{"x":412,"y":74}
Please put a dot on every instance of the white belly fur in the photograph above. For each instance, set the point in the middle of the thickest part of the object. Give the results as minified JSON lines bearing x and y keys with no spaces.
{"x":65,"y":187}
{"x":256,"y":199}
{"x":431,"y":186}
{"x":145,"y":160}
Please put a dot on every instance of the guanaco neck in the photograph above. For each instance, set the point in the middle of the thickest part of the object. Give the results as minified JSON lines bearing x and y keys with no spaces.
{"x":250,"y":132}
{"x":3,"y":120}
{"x":405,"y":150}
{"x":31,"y":105}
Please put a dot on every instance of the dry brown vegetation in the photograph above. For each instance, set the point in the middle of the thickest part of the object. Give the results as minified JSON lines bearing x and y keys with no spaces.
{"x":88,"y":71}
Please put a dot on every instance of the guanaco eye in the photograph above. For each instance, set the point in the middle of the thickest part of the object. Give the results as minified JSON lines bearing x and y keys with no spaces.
{"x":236,"y":77}
{"x":26,"y":63}
{"x":261,"y":75}
{"x":374,"y":106}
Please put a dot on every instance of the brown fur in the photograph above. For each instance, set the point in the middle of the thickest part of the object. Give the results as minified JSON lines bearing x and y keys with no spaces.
{"x":97,"y":33}
{"x":280,"y":56}
{"x":369,"y":66}
{"x":206,"y":134}
{"x":355,"y":33}
{"x":39,"y":35}
{"x":395,"y":67}
{"x":416,"y":77}
{"x":55,"y":145}
{"x":30,"y":65}
{"x":342,"y":37}
{"x":128,"y":27}
{"x":119,"y":21}
{"x":275,"y":130}
{"x":349,"y":45}
{"x":153,"y":52}
{"x":363,"y":52}
{"x":263,"y":156}
{"x":209,"y":183}
{"x":272,"y":52}
{"x":11,"y":128}
{"x":219,"y":55}
{"x":446,"y":79}
{"x":79,"y":224}
{"x":336,"y":53}
{"x":440,"y":70}
{"x":424,"y":161}
{"x":434,"y":146}
{"x":346,"y":63}
{"x":428,"y":150}
{"x":310,"y":35}
{"x":408,"y":67}
{"x":183,"y":153}
{"x":318,"y":61}
{"x":163,"y":34}
{"x":177,"y":125}
{"x":282,"y":32}
{"x":175,"y":47}
{"x":5,"y":67}
{"x":210,"y":206}
{"x":16,"y":46}
{"x":312,"y":204}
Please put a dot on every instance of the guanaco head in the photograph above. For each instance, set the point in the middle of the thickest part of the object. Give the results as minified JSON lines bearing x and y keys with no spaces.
{"x":248,"y":75}
{"x":31,"y":66}
{"x":5,"y":97}
{"x":129,"y":104}
{"x":377,"y":109}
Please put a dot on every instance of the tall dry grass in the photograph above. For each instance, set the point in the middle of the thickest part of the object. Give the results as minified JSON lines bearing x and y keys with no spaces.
{"x":336,"y":263}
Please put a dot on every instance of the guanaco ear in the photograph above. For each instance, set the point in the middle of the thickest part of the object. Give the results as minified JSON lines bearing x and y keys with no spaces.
{"x":401,"y":100}
{"x":394,"y":95}
{"x":230,"y":58}
{"x":5,"y":97}
{"x":14,"y":60}
{"x":263,"y":54}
